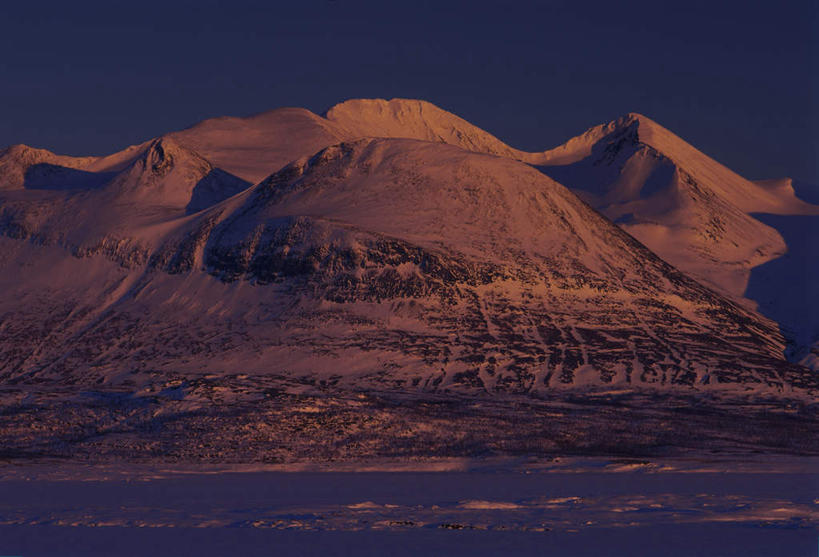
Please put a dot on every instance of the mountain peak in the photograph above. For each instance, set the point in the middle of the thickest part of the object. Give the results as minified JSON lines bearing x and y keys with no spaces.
{"x":381,"y":105}
{"x":639,"y":128}
{"x":639,"y":118}
{"x":443,"y":241}
{"x":413,"y":119}
{"x":17,"y":149}
{"x":16,"y":161}
{"x":169,"y":174}
{"x":397,"y":108}
{"x":161,"y":153}
{"x":25,"y":154}
{"x":676,"y":200}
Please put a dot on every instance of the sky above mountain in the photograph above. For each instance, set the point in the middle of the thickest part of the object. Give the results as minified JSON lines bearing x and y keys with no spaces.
{"x":737,"y":79}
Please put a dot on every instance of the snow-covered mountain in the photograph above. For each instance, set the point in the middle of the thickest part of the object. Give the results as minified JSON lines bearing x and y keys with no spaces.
{"x":404,"y":262}
{"x":169,"y":175}
{"x":391,"y":247}
{"x":698,"y":215}
{"x":254,"y":147}
{"x":119,"y":191}
{"x":691,"y":210}
{"x":686,"y":207}
{"x":24,"y":167}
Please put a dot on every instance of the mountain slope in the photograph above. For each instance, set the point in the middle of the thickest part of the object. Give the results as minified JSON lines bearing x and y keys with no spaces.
{"x":785,"y":288}
{"x":24,"y":167}
{"x":686,"y":207}
{"x":117,"y":213}
{"x":252,"y":148}
{"x":393,"y":264}
{"x":413,"y":119}
{"x":167,"y":174}
{"x":641,"y":132}
{"x":17,"y":160}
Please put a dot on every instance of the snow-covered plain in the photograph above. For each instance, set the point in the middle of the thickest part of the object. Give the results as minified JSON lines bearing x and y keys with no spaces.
{"x":597,"y":508}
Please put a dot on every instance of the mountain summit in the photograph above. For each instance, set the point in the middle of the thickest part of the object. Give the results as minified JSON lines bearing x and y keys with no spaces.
{"x":413,"y":119}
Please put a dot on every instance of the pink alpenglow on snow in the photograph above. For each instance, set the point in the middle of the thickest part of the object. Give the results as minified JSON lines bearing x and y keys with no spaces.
{"x":245,"y":270}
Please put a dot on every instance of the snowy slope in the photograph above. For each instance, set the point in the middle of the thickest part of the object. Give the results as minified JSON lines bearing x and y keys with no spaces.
{"x":252,"y":148}
{"x":692,"y":211}
{"x":17,"y":161}
{"x":22,"y":167}
{"x":396,"y":264}
{"x":167,"y":174}
{"x":749,"y":239}
{"x":413,"y":119}
{"x":638,"y":132}
{"x":120,"y":213}
{"x":785,"y":289}
{"x":256,"y":146}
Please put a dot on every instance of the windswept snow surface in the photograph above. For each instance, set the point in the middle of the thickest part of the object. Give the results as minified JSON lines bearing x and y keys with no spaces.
{"x":450,"y":513}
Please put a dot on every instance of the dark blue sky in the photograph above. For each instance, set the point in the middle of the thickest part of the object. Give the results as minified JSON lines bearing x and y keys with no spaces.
{"x":738,"y":79}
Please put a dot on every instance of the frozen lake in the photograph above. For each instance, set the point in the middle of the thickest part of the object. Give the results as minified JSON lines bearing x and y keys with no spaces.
{"x":414,"y":513}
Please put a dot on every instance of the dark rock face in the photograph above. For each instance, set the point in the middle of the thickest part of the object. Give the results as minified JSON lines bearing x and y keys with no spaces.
{"x":179,"y":255}
{"x":33,"y":223}
{"x":343,"y":264}
{"x":607,"y":152}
